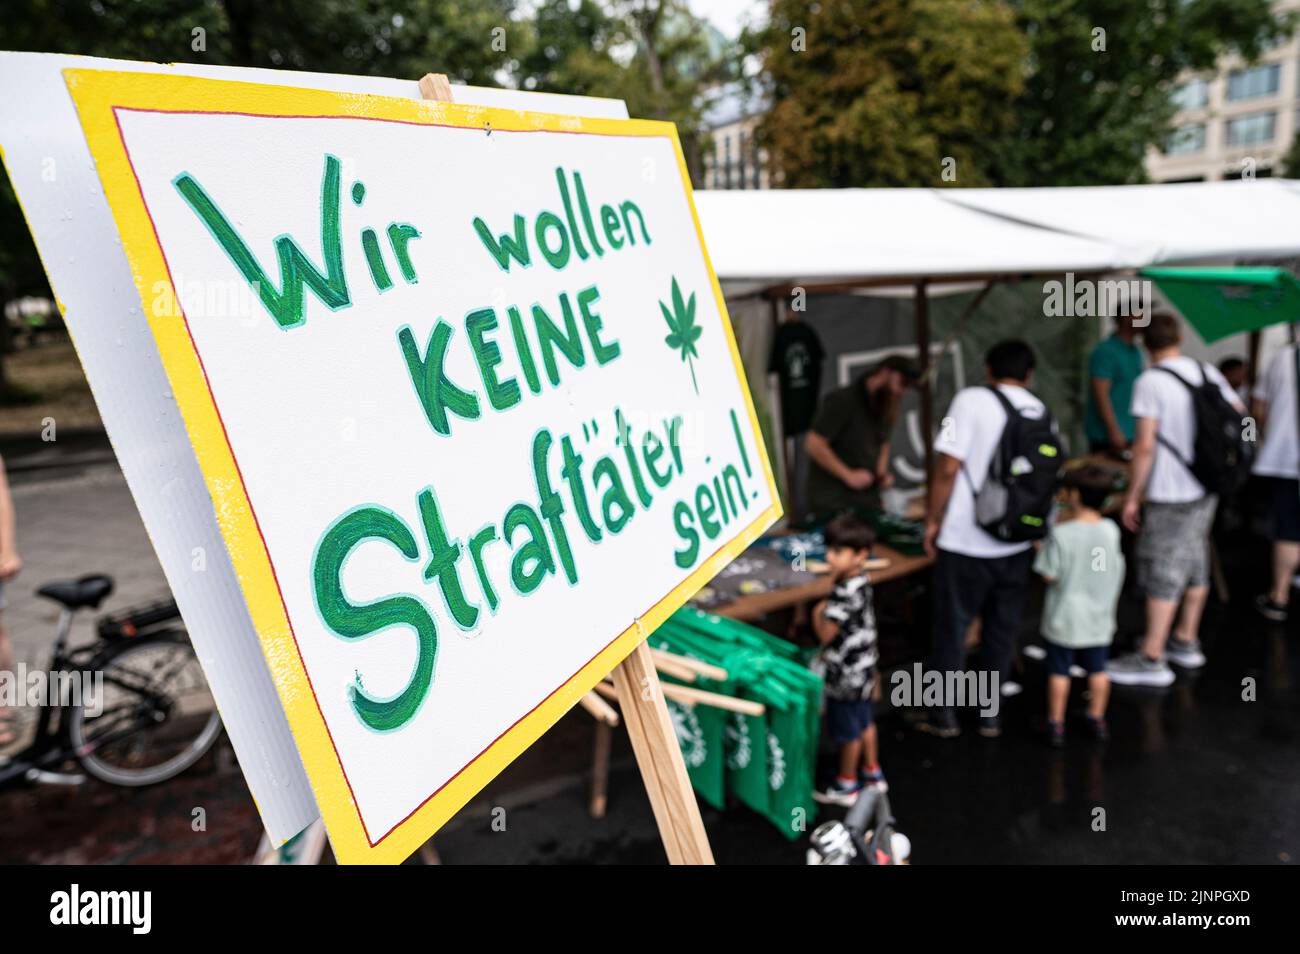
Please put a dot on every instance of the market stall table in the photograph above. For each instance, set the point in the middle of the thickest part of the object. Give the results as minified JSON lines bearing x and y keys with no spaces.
{"x":808,"y":587}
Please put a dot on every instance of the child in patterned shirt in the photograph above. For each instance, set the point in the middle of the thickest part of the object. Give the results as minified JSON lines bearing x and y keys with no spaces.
{"x":846,"y":627}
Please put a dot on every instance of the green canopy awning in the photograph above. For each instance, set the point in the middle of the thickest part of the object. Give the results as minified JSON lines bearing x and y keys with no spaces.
{"x":1219,"y":302}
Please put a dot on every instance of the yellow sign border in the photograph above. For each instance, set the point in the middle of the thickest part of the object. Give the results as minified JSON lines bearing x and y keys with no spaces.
{"x":97,"y":95}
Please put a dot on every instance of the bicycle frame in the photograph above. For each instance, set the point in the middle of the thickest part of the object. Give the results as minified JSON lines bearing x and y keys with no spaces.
{"x":49,"y":746}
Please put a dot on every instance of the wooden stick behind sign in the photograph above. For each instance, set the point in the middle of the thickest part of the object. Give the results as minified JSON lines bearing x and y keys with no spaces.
{"x":435,"y":86}
{"x":643,"y":708}
{"x":660,"y":758}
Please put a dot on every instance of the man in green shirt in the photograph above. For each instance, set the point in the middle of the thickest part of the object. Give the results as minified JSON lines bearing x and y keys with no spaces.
{"x":849,"y":440}
{"x":1113,"y":366}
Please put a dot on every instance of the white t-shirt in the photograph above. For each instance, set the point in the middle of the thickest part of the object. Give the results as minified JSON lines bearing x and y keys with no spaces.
{"x":1157,"y":395}
{"x":1279,"y":455}
{"x":971,"y":432}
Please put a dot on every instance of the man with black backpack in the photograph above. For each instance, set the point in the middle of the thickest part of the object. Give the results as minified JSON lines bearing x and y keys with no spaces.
{"x":1189,"y":449}
{"x":993,"y":491}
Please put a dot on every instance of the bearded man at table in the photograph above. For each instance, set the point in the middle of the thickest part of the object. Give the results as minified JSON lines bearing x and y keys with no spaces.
{"x":848,"y":443}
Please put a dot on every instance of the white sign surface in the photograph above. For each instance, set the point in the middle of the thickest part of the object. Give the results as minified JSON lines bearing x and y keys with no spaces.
{"x":466,"y":397}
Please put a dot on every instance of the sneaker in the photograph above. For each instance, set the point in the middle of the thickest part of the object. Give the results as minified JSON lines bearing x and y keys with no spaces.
{"x":1056,"y":734}
{"x":874,"y":780}
{"x":1185,"y":653}
{"x":1136,"y":670}
{"x":838,"y":792}
{"x":940,"y":722}
{"x":990,"y":726}
{"x":1098,"y":729}
{"x":1270,"y":610}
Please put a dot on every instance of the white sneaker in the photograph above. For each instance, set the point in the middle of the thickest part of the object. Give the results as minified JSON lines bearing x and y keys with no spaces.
{"x":1185,"y":654}
{"x":1136,"y":670}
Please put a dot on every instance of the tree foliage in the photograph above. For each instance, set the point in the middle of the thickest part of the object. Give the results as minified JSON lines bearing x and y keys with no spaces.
{"x":1019,"y":92}
{"x":653,"y":53}
{"x":366,"y":37}
{"x":879,"y":94}
{"x":1100,"y":75}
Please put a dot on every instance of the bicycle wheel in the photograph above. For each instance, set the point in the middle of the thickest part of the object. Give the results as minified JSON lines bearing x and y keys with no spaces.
{"x":152,"y":719}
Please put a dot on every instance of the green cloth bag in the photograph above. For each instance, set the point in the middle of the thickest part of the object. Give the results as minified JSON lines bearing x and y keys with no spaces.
{"x":745,"y":749}
{"x":768,"y":761}
{"x":700,"y":732}
{"x":790,"y":804}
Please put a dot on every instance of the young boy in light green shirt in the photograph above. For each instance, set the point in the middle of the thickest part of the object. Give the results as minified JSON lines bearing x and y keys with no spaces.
{"x":1083,"y":566}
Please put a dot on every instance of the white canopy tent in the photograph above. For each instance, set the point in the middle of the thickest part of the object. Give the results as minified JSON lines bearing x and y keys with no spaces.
{"x":1183,"y":223}
{"x":804,"y":237}
{"x":767,"y":239}
{"x":922,"y":242}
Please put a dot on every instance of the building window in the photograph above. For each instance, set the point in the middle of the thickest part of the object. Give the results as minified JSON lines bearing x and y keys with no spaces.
{"x":1251,"y":128}
{"x":1193,"y":94}
{"x":1239,"y":172}
{"x":1185,"y":140}
{"x":1254,"y":81}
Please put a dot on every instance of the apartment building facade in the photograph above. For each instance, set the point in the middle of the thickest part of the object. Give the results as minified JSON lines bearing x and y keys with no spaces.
{"x":1237,"y":122}
{"x":732,"y":157}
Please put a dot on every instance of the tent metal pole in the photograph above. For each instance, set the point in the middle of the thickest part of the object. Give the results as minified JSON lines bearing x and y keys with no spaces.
{"x":921,"y":303}
{"x":787,"y":465}
{"x":960,"y":324}
{"x":1253,"y":363}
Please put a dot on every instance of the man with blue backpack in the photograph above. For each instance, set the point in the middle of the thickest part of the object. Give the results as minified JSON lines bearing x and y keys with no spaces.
{"x":993,"y":491}
{"x":1190,"y":448}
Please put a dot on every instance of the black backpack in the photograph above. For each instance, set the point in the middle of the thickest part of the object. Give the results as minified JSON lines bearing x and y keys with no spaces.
{"x":1019,"y":490}
{"x":1221,"y":456}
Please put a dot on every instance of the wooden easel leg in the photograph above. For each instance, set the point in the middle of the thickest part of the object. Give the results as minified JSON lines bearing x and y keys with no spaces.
{"x":429,"y":854}
{"x":660,"y":759}
{"x":600,"y":769}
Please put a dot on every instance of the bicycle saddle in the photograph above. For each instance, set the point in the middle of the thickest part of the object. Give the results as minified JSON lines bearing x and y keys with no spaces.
{"x":88,"y":591}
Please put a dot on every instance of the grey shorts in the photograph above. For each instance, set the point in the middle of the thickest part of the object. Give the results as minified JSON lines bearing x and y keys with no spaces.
{"x":1173,"y":547}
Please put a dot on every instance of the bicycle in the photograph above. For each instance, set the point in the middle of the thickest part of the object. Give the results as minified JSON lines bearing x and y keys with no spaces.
{"x":151,"y":716}
{"x":866,"y":836}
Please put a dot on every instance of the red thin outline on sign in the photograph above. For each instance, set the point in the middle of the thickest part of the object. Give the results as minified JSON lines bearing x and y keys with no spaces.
{"x":234,"y":459}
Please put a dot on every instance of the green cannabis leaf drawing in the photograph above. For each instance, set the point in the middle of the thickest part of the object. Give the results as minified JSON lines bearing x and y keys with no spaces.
{"x":684,"y":331}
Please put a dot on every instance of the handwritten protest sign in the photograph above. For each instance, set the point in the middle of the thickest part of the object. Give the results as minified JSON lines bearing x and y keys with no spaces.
{"x":465,"y":395}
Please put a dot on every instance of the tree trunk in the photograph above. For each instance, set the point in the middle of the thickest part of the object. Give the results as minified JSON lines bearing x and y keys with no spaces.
{"x":6,"y":296}
{"x":647,"y":24}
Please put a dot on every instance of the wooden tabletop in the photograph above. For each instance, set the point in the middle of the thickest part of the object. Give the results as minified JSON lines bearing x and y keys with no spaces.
{"x":1119,"y":467}
{"x":756,"y":605}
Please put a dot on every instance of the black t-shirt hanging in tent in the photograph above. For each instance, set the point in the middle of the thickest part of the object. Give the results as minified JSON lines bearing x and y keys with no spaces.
{"x":797,"y":355}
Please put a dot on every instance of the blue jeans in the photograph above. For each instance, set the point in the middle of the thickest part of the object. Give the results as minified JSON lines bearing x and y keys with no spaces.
{"x":848,"y":720}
